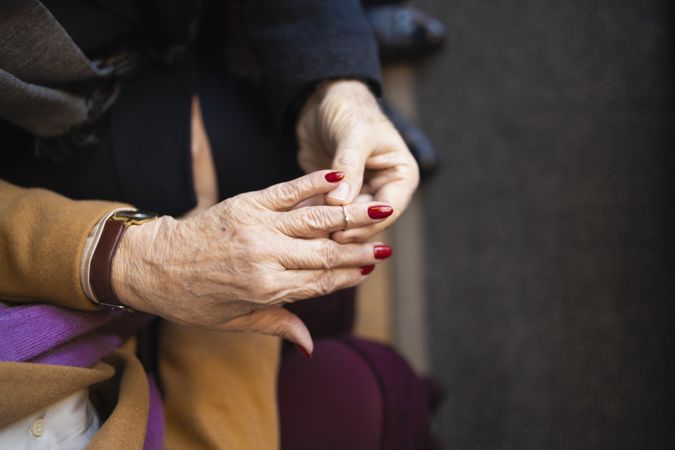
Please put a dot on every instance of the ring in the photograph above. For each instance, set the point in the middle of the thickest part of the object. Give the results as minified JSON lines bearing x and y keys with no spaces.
{"x":344,"y":211}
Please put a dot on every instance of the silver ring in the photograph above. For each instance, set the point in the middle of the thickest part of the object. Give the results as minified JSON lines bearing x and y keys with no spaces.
{"x":344,"y":211}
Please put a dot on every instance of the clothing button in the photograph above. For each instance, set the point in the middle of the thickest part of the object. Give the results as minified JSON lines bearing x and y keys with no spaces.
{"x":38,"y":428}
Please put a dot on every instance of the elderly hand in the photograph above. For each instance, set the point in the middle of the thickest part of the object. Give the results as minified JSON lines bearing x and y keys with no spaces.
{"x":342,"y":127}
{"x":234,"y":265}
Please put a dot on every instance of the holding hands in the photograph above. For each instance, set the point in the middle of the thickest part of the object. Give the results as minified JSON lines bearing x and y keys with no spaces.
{"x":233,"y":266}
{"x":343,"y":127}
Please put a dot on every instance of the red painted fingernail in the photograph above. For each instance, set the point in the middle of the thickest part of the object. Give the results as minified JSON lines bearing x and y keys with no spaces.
{"x":334,"y":177}
{"x":380,"y":211}
{"x":304,"y":352}
{"x":365,"y":270}
{"x":382,"y":251}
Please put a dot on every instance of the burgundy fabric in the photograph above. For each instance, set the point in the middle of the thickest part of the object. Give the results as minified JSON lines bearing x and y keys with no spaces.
{"x":405,"y":395}
{"x":331,"y":402}
{"x":329,"y":315}
{"x":354,"y":395}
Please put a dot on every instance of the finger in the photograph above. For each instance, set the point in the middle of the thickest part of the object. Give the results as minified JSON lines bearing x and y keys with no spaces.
{"x":394,"y":185}
{"x":316,"y":283}
{"x":317,"y":221}
{"x":351,"y":161}
{"x":286,"y":195}
{"x":396,"y":193}
{"x":319,"y":200}
{"x":312,"y":201}
{"x":274,"y":321}
{"x":363,"y":198}
{"x":356,"y":236}
{"x":327,"y":254}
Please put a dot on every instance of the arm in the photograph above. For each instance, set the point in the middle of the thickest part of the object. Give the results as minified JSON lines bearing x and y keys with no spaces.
{"x":233,"y":266}
{"x":299,"y":43}
{"x":318,"y":60}
{"x":42,"y":237}
{"x":342,"y":127}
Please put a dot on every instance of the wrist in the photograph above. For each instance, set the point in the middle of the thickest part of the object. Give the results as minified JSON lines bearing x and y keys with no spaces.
{"x":345,"y":89}
{"x":137,"y":267}
{"x":114,"y":230}
{"x":337,"y":101}
{"x":121,"y":269}
{"x":90,"y":245}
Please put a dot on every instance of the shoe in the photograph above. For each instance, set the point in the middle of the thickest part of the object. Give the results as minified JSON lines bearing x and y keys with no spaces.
{"x":404,"y":33}
{"x":418,"y":143}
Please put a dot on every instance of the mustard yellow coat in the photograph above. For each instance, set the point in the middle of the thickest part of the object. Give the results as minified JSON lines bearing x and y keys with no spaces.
{"x":219,"y":388}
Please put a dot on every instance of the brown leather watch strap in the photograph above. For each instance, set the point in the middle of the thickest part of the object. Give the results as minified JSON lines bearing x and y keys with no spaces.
{"x":101,"y":264}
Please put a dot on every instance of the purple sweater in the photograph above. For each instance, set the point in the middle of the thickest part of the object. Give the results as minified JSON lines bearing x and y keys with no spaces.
{"x":46,"y":334}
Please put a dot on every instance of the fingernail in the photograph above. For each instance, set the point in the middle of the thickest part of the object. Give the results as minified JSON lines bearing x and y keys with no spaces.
{"x":304,"y":352}
{"x":365,"y":270}
{"x":341,"y":192}
{"x":380,"y":211}
{"x":382,"y":251}
{"x":334,"y":177}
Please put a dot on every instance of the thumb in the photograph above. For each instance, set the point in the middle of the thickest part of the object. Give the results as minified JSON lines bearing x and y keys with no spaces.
{"x":352,"y":163}
{"x":274,"y":321}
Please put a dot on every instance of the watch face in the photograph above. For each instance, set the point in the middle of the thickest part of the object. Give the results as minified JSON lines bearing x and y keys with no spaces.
{"x":135,"y":215}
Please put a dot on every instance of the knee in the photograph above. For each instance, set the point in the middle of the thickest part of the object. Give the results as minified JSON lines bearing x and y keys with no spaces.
{"x":353,"y":394}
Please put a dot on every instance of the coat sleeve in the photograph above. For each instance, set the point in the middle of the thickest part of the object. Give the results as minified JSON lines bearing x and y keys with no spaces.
{"x":42,"y":237}
{"x":299,"y":43}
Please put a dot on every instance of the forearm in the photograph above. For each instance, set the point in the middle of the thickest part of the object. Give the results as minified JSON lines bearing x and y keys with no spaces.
{"x":299,"y":43}
{"x":42,"y":238}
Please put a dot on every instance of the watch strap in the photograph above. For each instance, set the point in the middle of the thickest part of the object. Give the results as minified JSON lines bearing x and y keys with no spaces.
{"x":100,"y":272}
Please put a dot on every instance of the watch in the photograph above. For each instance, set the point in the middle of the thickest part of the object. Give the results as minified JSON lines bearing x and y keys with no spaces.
{"x":100,"y":272}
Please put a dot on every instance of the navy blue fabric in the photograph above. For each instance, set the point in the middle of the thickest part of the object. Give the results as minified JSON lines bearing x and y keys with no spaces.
{"x":150,"y":129}
{"x":143,"y":150}
{"x":303,"y":42}
{"x":247,"y":151}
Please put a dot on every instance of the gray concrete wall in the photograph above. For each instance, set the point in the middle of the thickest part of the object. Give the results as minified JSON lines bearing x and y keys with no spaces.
{"x":547,"y":265}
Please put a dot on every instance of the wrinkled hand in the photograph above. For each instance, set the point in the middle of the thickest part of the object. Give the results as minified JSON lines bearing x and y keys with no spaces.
{"x":233,"y":266}
{"x":342,"y":127}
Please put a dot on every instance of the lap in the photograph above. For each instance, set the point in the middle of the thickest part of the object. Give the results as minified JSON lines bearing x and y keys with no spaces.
{"x":353,"y":394}
{"x":219,"y":388}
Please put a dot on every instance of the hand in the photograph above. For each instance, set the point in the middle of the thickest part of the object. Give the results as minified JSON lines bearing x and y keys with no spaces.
{"x":234,"y":265}
{"x":342,"y":127}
